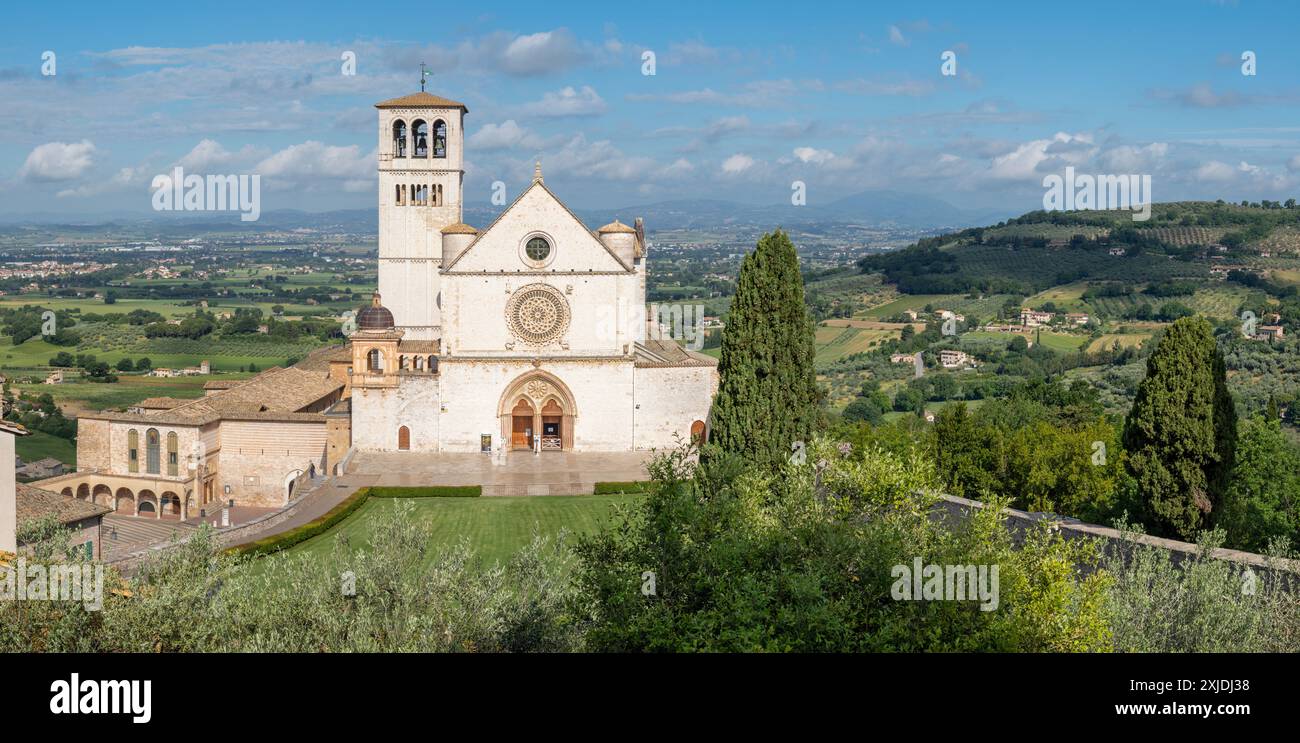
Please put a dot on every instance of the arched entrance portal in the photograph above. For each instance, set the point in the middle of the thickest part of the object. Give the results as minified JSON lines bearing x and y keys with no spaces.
{"x":552,"y":426}
{"x":521,"y":425}
{"x":538,"y":404}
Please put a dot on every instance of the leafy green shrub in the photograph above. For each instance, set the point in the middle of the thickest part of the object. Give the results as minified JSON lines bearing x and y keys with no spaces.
{"x":618,"y":488}
{"x":297,"y":535}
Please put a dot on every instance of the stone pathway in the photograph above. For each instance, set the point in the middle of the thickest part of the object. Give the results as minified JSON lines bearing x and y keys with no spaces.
{"x":125,"y":534}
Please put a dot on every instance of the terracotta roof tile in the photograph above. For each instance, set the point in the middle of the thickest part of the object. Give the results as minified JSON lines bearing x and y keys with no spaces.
{"x":421,"y":99}
{"x":34,"y":504}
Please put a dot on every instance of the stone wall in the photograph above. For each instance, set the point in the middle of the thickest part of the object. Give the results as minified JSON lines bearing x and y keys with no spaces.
{"x":669,"y":400}
{"x":260,"y":458}
{"x":1113,"y":541}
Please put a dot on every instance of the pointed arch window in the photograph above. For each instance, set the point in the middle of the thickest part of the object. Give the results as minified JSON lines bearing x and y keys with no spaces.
{"x":439,"y":138}
{"x":132,"y":451}
{"x":399,"y":138}
{"x":152,"y":455}
{"x":421,"y":131}
{"x":173,"y":456}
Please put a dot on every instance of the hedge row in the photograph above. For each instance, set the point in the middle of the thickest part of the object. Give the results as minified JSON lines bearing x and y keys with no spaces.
{"x":349,"y":505}
{"x":616,"y":488}
{"x":299,"y":534}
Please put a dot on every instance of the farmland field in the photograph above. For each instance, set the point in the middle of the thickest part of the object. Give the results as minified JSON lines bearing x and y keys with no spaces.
{"x":38,"y":445}
{"x":1125,"y":340}
{"x":76,"y":396}
{"x":836,"y":342}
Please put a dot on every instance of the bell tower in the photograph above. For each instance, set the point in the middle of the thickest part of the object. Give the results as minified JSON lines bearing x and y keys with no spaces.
{"x":421,"y":171}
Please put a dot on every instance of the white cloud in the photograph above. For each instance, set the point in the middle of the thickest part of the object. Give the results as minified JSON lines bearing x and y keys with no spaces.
{"x":1133,"y":159}
{"x":813,"y":155}
{"x":737,"y":163}
{"x":1025,"y":161}
{"x":568,"y":101}
{"x":123,"y":179}
{"x":896,"y":36}
{"x":1215,"y":170}
{"x":503,"y":136}
{"x":540,"y":53}
{"x":58,"y":161}
{"x":308,"y":163}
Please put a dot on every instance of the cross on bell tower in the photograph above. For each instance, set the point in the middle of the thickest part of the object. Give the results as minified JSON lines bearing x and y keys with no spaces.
{"x":424,"y":74}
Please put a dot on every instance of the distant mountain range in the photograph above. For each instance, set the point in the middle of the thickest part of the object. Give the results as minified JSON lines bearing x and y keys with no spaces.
{"x":876,"y":208}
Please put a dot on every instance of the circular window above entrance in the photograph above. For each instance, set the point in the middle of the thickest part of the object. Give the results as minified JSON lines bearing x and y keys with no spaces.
{"x":537,"y":314}
{"x":537,"y":250}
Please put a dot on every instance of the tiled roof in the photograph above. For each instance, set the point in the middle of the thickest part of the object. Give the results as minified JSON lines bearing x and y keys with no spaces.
{"x":275,"y":394}
{"x":419,"y":346}
{"x":616,"y":226}
{"x":670,"y":353}
{"x":421,"y":99}
{"x":34,"y":504}
{"x":460,"y":228}
{"x":14,"y":428}
{"x":222,"y":384}
{"x":320,"y":359}
{"x":161,"y":403}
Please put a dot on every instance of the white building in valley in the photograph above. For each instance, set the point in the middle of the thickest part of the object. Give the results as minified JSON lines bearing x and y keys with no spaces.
{"x":528,"y":334}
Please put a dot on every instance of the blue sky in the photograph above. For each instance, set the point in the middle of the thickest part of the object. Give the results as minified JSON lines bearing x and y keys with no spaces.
{"x":746,"y":98}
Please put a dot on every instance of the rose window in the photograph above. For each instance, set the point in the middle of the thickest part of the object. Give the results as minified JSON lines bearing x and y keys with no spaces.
{"x":537,"y":314}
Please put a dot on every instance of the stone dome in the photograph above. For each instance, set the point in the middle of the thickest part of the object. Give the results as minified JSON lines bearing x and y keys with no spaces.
{"x":375,"y":317}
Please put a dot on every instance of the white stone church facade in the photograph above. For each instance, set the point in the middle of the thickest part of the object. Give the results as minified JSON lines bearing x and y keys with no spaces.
{"x":529,"y":334}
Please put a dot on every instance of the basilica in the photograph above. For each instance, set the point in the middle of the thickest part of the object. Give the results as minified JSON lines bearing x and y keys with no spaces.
{"x":529,"y":336}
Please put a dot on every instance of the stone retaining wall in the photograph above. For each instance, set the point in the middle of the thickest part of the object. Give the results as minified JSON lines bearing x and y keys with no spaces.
{"x":1113,"y":540}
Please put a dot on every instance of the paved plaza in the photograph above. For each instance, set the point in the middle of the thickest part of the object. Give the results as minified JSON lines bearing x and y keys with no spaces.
{"x":518,"y":473}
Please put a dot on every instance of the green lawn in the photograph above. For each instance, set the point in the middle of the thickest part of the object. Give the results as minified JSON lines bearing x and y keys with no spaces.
{"x":495,"y":526}
{"x":41,"y":445}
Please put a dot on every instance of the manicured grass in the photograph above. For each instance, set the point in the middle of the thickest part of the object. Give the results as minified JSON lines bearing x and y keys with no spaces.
{"x":496,"y":527}
{"x":40,"y":445}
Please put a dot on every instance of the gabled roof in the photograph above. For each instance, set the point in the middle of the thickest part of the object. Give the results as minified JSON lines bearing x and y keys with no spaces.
{"x":421,"y":100}
{"x":16,"y":429}
{"x":35,"y":503}
{"x":274,"y":394}
{"x":654,"y":353}
{"x":537,"y":183}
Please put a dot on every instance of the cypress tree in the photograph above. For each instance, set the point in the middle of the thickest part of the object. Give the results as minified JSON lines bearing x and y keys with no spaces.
{"x":767,"y":398}
{"x":1181,"y":432}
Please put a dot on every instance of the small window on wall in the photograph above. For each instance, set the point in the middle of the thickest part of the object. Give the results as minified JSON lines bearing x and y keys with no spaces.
{"x":439,"y":138}
{"x":152,"y":457}
{"x":133,"y":451}
{"x":538,"y":249}
{"x":399,"y":138}
{"x":173,"y":459}
{"x":421,"y":131}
